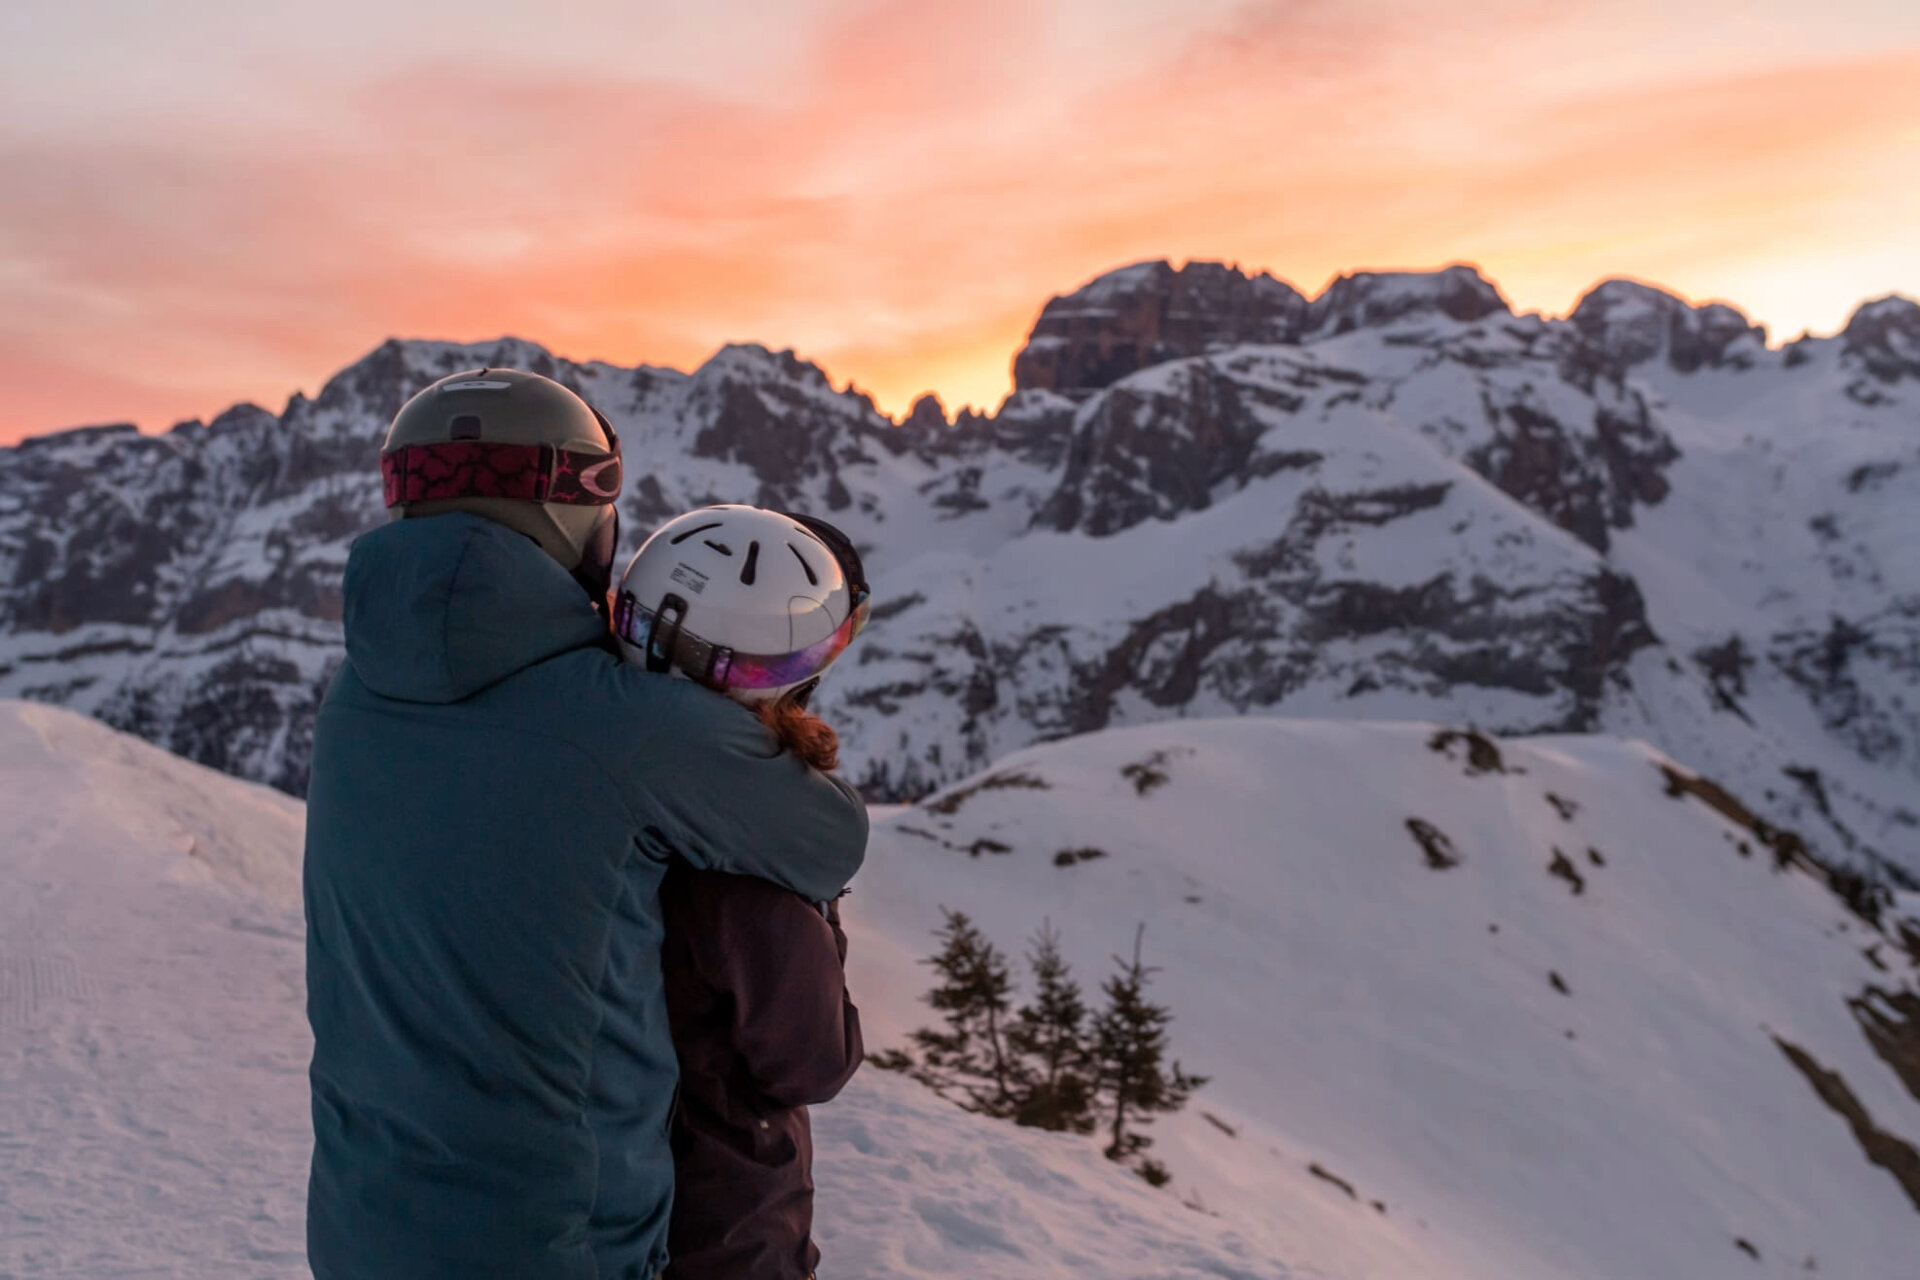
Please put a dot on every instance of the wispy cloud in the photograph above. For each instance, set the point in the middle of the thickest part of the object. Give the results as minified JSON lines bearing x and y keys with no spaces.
{"x":897,"y":194}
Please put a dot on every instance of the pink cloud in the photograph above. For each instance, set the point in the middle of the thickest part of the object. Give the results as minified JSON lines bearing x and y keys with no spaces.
{"x":903,"y":205}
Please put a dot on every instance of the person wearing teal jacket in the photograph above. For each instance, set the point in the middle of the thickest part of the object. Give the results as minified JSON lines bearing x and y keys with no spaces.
{"x":493,"y":802}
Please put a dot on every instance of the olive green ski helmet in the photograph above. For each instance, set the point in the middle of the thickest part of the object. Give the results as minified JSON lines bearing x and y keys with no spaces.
{"x":514,"y":447}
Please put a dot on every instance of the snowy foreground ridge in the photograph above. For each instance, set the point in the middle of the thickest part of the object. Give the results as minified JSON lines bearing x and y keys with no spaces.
{"x":153,"y":1056}
{"x":1703,"y":1099}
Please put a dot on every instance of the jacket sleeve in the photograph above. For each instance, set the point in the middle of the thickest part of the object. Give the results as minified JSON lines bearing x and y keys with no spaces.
{"x":712,"y":785}
{"x":795,"y":1026}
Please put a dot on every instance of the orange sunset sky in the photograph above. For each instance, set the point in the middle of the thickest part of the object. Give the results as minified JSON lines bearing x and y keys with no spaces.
{"x":213,"y":200}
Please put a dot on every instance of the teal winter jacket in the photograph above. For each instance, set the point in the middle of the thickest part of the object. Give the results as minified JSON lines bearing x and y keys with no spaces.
{"x":493,"y":801}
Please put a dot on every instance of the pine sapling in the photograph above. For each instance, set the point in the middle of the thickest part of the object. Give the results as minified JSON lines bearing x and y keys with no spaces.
{"x":975,"y":994}
{"x":1049,"y":1036}
{"x":1130,"y":1046}
{"x":946,"y":1055}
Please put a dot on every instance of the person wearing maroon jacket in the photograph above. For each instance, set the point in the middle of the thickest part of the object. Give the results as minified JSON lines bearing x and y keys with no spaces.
{"x":764,"y":1027}
{"x":757,"y":605}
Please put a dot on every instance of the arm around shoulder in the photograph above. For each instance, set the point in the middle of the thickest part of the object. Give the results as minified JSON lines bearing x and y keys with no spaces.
{"x":714,"y":785}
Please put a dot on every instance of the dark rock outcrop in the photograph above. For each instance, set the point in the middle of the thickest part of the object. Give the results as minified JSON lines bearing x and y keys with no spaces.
{"x":1884,"y":336}
{"x":1143,"y":455}
{"x":1368,"y":299}
{"x":779,"y":415}
{"x":1585,"y":478}
{"x":1630,"y":323}
{"x":1148,"y":314}
{"x":927,"y":414}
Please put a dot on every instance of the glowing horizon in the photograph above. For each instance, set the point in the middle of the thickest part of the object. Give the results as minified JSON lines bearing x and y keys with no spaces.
{"x":891,"y":189}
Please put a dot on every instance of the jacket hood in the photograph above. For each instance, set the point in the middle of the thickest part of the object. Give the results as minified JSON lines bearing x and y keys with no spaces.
{"x":440,"y":607}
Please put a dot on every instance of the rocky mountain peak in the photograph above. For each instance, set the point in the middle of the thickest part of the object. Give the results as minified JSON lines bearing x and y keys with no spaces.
{"x":752,"y":362}
{"x":1149,"y":313}
{"x":245,"y":416}
{"x":1885,"y":336}
{"x":1632,"y":323}
{"x":780,"y":416}
{"x":385,"y":378}
{"x":78,"y":436}
{"x":1364,"y":299}
{"x":927,"y":414}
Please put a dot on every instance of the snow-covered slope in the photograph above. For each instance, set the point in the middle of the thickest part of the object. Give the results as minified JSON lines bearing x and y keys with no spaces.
{"x":1208,"y":496}
{"x":1613,"y":1069}
{"x":153,"y":1050}
{"x":1393,"y":1024}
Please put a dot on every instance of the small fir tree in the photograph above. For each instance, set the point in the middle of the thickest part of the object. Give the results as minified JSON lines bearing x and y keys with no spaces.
{"x":975,"y":993}
{"x":1049,"y":1036}
{"x":1129,"y":1048}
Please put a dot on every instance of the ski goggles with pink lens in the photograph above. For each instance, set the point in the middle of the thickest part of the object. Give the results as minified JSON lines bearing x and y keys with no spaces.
{"x":659,"y":634}
{"x":472,"y":468}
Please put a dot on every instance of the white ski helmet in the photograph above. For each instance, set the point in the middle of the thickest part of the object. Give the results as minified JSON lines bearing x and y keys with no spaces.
{"x":754,"y":603}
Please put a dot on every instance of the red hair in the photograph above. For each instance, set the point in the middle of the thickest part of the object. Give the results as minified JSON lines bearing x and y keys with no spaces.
{"x":802,"y":732}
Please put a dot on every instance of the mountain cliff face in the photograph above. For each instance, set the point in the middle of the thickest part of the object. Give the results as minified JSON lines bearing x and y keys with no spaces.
{"x":1207,"y":495}
{"x":1149,"y":313}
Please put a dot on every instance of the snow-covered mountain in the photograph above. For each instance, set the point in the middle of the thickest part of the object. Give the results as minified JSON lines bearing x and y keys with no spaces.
{"x":1208,"y":495}
{"x":1599,"y":1032}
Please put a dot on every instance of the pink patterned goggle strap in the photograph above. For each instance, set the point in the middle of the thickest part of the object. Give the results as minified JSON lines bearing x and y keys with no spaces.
{"x":488,"y":469}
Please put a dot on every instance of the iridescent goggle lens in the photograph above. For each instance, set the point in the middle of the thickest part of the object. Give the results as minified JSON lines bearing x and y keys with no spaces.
{"x":771,"y":671}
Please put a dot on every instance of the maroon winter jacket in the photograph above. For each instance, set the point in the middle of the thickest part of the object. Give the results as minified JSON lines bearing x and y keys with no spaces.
{"x":757,"y":998}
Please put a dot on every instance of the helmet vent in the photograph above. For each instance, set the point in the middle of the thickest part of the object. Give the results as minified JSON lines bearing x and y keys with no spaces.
{"x":464,"y":427}
{"x":813,"y":579}
{"x":721,"y":547}
{"x":753,"y":561}
{"x":679,"y":538}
